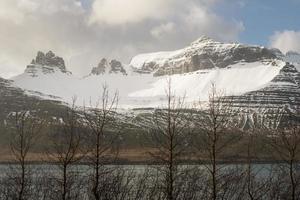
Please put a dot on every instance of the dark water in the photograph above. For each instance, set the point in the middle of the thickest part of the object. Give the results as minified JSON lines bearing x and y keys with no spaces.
{"x":259,"y":169}
{"x":40,"y":172}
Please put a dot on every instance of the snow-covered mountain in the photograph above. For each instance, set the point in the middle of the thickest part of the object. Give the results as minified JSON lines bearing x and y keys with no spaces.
{"x":237,"y":69}
{"x":46,"y":63}
{"x":202,"y":54}
{"x":109,"y":67}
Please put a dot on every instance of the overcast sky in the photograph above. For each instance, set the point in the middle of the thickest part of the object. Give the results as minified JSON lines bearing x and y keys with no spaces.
{"x":84,"y":31}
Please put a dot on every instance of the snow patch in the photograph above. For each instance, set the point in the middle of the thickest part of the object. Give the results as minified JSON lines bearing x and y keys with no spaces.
{"x":144,"y":90}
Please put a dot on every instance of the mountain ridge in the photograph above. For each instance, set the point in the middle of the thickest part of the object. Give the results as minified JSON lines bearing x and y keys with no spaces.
{"x":234,"y":70}
{"x":204,"y":53}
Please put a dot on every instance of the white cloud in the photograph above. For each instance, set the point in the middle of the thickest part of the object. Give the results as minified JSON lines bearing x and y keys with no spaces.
{"x":202,"y":21}
{"x":120,"y":29}
{"x":193,"y":21}
{"x":13,"y":10}
{"x":31,"y":25}
{"x":287,"y":40}
{"x":116,"y":12}
{"x":163,"y":30}
{"x":18,"y":10}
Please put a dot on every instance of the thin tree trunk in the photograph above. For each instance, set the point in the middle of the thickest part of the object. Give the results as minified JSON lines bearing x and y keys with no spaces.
{"x":291,"y":171}
{"x":21,"y":193}
{"x":214,"y":169}
{"x":64,"y":193}
{"x":97,"y":165}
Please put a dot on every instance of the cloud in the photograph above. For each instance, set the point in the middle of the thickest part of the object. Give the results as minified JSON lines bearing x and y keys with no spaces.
{"x":194,"y":20}
{"x":18,"y":10}
{"x":116,"y":12}
{"x":84,"y":31}
{"x":33,"y":25}
{"x":163,"y":30}
{"x":14,"y":10}
{"x":202,"y":20}
{"x":287,"y":40}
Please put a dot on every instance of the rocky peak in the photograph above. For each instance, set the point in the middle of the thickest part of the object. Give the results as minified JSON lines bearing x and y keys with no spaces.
{"x":101,"y":68}
{"x":49,"y":59}
{"x":208,"y":54}
{"x":203,"y":53}
{"x":202,"y":39}
{"x":109,"y":67}
{"x":117,"y":67}
{"x":46,"y":63}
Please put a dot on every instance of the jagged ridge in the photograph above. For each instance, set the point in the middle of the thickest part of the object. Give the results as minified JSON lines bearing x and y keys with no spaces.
{"x":110,"y":67}
{"x":204,"y":53}
{"x":47,"y":63}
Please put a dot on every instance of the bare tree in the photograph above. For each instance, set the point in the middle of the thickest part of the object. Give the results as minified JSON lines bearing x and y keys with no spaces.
{"x":26,"y":129}
{"x":257,"y":178}
{"x":65,"y":150}
{"x":285,"y":142}
{"x":98,"y":121}
{"x":168,"y":134}
{"x":213,"y":135}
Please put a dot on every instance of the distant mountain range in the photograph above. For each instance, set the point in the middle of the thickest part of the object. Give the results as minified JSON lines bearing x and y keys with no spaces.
{"x":258,"y":80}
{"x":255,"y":76}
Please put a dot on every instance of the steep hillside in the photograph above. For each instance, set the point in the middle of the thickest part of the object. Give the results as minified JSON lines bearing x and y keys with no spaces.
{"x":284,"y":89}
{"x":14,"y":99}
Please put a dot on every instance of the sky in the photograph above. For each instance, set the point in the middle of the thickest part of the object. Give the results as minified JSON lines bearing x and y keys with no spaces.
{"x":85,"y":31}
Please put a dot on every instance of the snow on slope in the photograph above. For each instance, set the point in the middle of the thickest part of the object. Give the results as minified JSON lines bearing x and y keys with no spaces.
{"x":144,"y":90}
{"x":234,"y":80}
{"x":159,"y":57}
{"x":199,"y":45}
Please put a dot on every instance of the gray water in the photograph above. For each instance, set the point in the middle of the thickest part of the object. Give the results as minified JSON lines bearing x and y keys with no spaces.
{"x":259,"y":169}
{"x":47,"y":172}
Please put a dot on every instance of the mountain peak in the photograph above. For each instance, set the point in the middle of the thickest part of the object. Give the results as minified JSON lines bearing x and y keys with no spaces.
{"x":204,"y":53}
{"x":203,"y":39}
{"x":46,"y":63}
{"x":110,"y":67}
{"x":49,"y":59}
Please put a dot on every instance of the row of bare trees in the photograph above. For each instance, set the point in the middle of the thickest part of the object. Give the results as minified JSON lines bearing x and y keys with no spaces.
{"x":208,"y":137}
{"x":193,"y":157}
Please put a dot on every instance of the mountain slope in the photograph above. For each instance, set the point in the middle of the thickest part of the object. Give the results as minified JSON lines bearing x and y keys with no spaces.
{"x":204,"y":53}
{"x":14,"y":99}
{"x":238,"y":70}
{"x":282,"y":91}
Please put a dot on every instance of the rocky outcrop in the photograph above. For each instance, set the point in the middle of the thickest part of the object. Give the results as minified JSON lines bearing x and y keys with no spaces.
{"x":49,"y":59}
{"x":117,"y":67}
{"x":100,"y":69}
{"x":46,"y":63}
{"x":204,"y":53}
{"x":109,"y":67}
